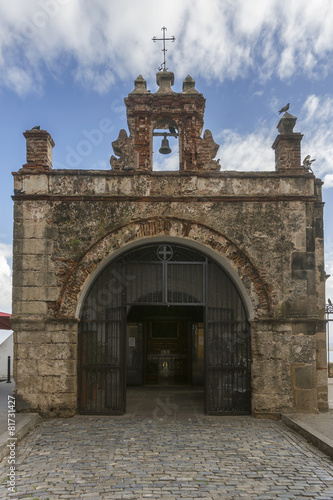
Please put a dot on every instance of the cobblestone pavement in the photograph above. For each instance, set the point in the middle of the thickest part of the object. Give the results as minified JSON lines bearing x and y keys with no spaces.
{"x":185,"y":458}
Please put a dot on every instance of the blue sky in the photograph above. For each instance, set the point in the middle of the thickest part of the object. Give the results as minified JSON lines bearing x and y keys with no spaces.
{"x":66,"y":65}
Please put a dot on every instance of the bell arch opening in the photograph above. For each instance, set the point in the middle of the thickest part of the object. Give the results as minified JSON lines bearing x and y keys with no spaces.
{"x":166,"y":145}
{"x":164,"y":314}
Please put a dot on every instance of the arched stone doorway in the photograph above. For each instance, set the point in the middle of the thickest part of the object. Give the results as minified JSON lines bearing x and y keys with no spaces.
{"x":164,"y":313}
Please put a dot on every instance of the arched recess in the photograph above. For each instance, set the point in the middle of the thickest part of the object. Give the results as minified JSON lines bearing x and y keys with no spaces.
{"x":255,"y":291}
{"x":165,"y":132}
{"x":164,"y":313}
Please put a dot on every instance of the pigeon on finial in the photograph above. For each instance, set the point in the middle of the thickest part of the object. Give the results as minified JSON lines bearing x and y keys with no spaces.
{"x":285,"y":108}
{"x":37,"y":127}
{"x":307,"y":163}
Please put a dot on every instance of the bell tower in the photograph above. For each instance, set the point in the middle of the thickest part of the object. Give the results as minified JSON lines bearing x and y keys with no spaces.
{"x":165,"y":113}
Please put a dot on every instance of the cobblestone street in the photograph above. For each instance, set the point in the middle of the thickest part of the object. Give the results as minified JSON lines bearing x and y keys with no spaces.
{"x":209,"y":457}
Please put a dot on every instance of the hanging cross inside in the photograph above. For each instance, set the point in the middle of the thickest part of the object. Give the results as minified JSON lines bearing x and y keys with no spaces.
{"x":164,"y":50}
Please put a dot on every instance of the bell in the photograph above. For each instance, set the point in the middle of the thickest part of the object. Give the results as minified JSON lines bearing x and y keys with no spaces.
{"x":165,"y":148}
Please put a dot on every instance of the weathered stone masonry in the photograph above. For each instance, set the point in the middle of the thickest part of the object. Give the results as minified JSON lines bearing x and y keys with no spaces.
{"x":266,"y":226}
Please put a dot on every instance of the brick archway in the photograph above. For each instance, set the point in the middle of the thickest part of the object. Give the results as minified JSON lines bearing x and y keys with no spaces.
{"x":76,"y":275}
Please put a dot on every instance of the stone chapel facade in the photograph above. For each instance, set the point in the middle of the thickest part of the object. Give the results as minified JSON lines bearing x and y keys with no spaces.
{"x":198,"y":276}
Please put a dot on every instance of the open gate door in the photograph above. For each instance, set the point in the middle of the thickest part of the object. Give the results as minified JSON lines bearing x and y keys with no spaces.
{"x":227,"y":347}
{"x":102,"y":378}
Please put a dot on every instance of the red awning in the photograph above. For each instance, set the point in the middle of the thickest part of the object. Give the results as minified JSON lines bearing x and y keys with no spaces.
{"x":5,"y":321}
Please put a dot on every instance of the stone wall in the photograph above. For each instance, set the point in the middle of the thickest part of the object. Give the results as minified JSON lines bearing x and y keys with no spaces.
{"x":267,"y":226}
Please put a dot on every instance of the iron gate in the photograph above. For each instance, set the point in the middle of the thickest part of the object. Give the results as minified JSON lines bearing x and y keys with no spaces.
{"x":171,"y":275}
{"x":329,"y":330}
{"x":227,"y":347}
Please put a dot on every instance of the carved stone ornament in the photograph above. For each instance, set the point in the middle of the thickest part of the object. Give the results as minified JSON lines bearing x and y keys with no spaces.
{"x":286,"y":124}
{"x":124,"y":148}
{"x":207,"y":149}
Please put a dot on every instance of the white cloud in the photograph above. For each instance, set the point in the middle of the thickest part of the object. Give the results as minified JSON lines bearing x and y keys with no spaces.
{"x":251,"y":152}
{"x":5,"y":278}
{"x":20,"y":81}
{"x":103,"y":41}
{"x":316,"y":123}
{"x":6,"y":250}
{"x":318,"y":109}
{"x":328,"y":181}
{"x":329,"y":270}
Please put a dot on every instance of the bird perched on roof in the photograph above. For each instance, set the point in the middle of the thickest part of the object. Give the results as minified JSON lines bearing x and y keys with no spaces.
{"x":285,"y":108}
{"x":172,"y":130}
{"x":37,"y":127}
{"x":307,"y":162}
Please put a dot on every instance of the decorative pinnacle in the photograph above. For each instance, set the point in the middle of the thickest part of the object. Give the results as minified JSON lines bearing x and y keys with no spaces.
{"x":164,"y":50}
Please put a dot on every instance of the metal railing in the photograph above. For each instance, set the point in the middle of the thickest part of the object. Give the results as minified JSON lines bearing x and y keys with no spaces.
{"x":329,"y":329}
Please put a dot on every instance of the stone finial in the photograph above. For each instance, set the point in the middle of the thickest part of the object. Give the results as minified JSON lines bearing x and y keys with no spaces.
{"x":286,"y":124}
{"x":140,"y":86}
{"x":39,"y":149}
{"x":165,"y":80}
{"x":189,"y":86}
{"x":287,"y":146}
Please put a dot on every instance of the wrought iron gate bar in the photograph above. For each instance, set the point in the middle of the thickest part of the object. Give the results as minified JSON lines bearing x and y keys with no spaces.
{"x":166,"y":303}
{"x":228,"y":367}
{"x":150,"y":254}
{"x":231,"y":322}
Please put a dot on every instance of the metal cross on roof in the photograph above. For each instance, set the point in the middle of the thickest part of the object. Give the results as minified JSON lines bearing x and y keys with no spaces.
{"x":164,"y":50}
